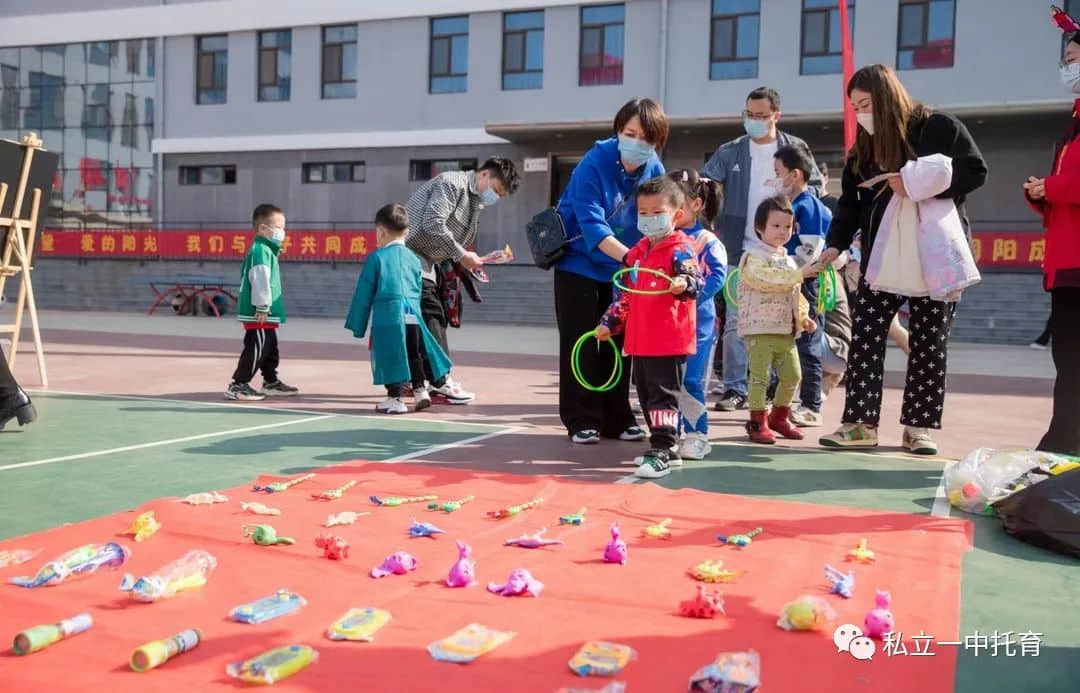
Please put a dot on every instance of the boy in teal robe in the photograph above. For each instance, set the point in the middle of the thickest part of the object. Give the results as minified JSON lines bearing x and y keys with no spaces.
{"x":403,"y":351}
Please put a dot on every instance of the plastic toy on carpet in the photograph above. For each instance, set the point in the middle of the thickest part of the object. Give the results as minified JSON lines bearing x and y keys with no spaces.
{"x":703,"y":604}
{"x":40,"y":637}
{"x":259,"y":509}
{"x":840,"y":583}
{"x":577,"y":518}
{"x":806,"y":613}
{"x":393,"y":502}
{"x":861,"y":553}
{"x":188,"y":572}
{"x":397,"y":563}
{"x":879,"y":620}
{"x":208,"y":498}
{"x":520,"y":583}
{"x":268,"y":608}
{"x":359,"y":625}
{"x":535,"y":540}
{"x":17,"y":556}
{"x":514,"y":509}
{"x":611,"y":687}
{"x":659,"y":531}
{"x":265,"y":535}
{"x":463,"y":572}
{"x":79,"y":561}
{"x":467,"y":644}
{"x":334,"y":547}
{"x":280,"y":486}
{"x":739,"y":540}
{"x":712,"y":571}
{"x":274,"y":665}
{"x":424,"y":529}
{"x":154,"y":654}
{"x":345,"y":518}
{"x":598,"y":658}
{"x":334,"y":493}
{"x":143,"y":527}
{"x":731,"y":672}
{"x":451,"y":506}
{"x":616,"y":551}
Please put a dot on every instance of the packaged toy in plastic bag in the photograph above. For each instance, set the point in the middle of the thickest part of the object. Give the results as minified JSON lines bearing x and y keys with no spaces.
{"x":731,"y":672}
{"x":601,"y":658}
{"x":273,"y":665}
{"x":988,"y":475}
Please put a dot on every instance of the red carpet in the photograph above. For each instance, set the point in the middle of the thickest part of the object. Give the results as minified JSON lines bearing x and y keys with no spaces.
{"x":918,"y":561}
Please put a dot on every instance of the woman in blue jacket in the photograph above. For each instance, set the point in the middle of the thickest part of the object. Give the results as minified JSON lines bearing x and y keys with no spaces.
{"x":599,"y":210}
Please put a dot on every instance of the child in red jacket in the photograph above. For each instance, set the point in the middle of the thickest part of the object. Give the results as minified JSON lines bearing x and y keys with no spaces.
{"x":660,"y":328}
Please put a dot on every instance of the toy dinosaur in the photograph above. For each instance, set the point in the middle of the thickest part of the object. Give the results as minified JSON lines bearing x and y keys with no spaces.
{"x":463,"y":572}
{"x":659,"y":531}
{"x":345,"y":518}
{"x":424,"y":529}
{"x":393,"y":502}
{"x":265,"y":535}
{"x":513,"y":509}
{"x":712,"y":571}
{"x":279,"y":486}
{"x":259,"y":509}
{"x":840,"y":583}
{"x":204,"y":498}
{"x":520,"y":582}
{"x":144,"y":526}
{"x":861,"y":553}
{"x":615,"y":551}
{"x":703,"y":604}
{"x":532,"y":541}
{"x":334,"y":547}
{"x":334,"y":493}
{"x":451,"y":506}
{"x":739,"y":540}
{"x":573,"y":518}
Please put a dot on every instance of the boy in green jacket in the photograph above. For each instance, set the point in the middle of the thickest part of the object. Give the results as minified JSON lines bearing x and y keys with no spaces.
{"x":261,"y":309}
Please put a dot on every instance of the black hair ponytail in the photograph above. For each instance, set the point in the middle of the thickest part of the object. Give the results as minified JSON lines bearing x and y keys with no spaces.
{"x":697,"y":187}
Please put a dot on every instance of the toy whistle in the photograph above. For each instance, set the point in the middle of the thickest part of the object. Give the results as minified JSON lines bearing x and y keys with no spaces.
{"x":40,"y":637}
{"x":154,"y":654}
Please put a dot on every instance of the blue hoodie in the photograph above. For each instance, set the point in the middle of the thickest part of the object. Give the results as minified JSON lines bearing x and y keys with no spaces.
{"x":601,"y":201}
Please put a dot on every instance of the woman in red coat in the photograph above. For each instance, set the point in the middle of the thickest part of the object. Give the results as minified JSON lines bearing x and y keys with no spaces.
{"x":1057,"y":198}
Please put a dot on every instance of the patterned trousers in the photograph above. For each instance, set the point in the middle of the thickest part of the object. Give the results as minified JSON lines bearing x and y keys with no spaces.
{"x":924,"y":392}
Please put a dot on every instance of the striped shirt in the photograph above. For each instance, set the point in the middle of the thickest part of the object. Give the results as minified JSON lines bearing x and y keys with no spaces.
{"x":442,"y":219}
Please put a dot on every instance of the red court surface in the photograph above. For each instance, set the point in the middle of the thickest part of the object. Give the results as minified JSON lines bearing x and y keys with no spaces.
{"x":918,"y":560}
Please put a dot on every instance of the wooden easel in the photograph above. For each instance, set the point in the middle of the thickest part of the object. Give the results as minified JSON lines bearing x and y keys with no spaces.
{"x":17,"y":252}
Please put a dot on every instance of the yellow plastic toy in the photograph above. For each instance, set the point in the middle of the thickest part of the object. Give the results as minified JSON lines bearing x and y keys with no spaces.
{"x":861,"y":553}
{"x":144,"y":526}
{"x":712,"y":571}
{"x":358,"y":624}
{"x":274,"y":665}
{"x":659,"y":531}
{"x":806,"y":613}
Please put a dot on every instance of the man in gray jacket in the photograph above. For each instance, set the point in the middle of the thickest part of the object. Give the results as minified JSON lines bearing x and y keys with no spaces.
{"x":745,"y":168}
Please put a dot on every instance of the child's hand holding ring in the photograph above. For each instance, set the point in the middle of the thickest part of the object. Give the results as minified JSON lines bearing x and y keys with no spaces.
{"x":602,"y":333}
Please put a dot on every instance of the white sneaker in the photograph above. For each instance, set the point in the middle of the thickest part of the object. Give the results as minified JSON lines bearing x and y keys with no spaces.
{"x":391,"y":405}
{"x":695,"y":446}
{"x":588,"y":436}
{"x":453,"y":393}
{"x":421,"y":398}
{"x":633,"y":434}
{"x":674,"y":459}
{"x":805,"y":418}
{"x":652,"y":466}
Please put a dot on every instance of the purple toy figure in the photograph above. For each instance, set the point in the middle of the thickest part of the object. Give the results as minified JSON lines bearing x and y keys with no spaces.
{"x":395,"y":564}
{"x":879,"y":620}
{"x":615,"y":551}
{"x":519,"y":583}
{"x":533,"y":541}
{"x":463,"y":572}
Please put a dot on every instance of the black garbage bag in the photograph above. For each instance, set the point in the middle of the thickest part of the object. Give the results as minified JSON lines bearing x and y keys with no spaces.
{"x":1046,"y":514}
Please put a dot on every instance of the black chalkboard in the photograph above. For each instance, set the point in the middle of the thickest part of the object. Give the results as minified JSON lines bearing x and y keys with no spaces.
{"x":42,"y":172}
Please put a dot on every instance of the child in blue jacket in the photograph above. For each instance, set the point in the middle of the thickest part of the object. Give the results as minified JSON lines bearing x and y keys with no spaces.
{"x":388,"y":293}
{"x":703,"y":201}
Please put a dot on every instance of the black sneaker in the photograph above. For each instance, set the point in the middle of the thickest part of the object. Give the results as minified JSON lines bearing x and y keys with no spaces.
{"x":245,"y":392}
{"x":731,"y":401}
{"x":17,"y":406}
{"x":654,"y":465}
{"x":279,"y":389}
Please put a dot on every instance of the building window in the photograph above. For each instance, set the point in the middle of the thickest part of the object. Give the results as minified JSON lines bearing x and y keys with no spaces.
{"x":212,"y":66}
{"x":523,"y":50}
{"x":45,"y":107}
{"x":335,"y":172}
{"x":9,"y":96}
{"x":127,"y":128}
{"x":426,"y":169}
{"x":207,"y":175}
{"x":97,"y":121}
{"x":822,"y":49}
{"x":601,"y":58}
{"x":925,"y":34}
{"x":275,"y":65}
{"x":448,"y":67}
{"x":339,"y":62}
{"x":733,"y":46}
{"x":133,"y":50}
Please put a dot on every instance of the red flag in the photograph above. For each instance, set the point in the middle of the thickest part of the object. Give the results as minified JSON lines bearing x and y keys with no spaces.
{"x":848,"y":59}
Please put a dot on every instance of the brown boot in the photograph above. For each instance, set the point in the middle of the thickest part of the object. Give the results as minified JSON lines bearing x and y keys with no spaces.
{"x":779,"y":420}
{"x":758,"y":428}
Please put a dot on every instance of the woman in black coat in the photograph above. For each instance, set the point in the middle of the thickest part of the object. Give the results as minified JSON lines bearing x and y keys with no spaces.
{"x":14,"y":403}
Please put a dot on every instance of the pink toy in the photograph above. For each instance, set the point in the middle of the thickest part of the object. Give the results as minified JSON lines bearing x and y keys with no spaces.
{"x":703,"y":604}
{"x":879,"y":620}
{"x":395,"y":564}
{"x":519,"y":583}
{"x":615,"y":551}
{"x":532,"y":541}
{"x":463,"y":572}
{"x":334,"y":547}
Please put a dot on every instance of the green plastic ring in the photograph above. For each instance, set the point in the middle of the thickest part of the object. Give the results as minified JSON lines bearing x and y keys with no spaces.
{"x":575,"y":368}
{"x":642,"y":292}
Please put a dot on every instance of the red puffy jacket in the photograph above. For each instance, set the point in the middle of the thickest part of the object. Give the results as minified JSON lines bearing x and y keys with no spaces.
{"x":1061,"y":213}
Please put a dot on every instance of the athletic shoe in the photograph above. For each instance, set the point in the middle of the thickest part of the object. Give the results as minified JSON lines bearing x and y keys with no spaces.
{"x":17,"y":406}
{"x":674,"y":459}
{"x":654,"y":465}
{"x":421,"y":398}
{"x":717,"y":389}
{"x":731,"y":401}
{"x":633,"y":434}
{"x":245,"y":392}
{"x":805,"y":418}
{"x":918,"y":441}
{"x":279,"y":389}
{"x":589,"y":436}
{"x":1037,"y":346}
{"x":391,"y":405}
{"x":695,"y":446}
{"x":851,"y":436}
{"x":452,"y":393}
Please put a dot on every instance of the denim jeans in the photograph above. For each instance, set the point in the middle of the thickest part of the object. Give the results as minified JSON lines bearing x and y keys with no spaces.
{"x":736,"y":358}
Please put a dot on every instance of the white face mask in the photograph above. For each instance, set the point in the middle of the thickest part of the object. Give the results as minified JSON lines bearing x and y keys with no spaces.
{"x":866,"y":120}
{"x":1070,"y":77}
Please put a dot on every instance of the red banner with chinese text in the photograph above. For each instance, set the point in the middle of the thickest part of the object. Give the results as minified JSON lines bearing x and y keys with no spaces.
{"x":1009,"y":250}
{"x":201,"y":244}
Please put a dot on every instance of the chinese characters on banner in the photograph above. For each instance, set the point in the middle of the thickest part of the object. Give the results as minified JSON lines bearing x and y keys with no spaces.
{"x":1001,"y":250}
{"x":182,"y":244}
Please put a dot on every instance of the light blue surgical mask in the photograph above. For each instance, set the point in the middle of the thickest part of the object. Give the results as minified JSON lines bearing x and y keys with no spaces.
{"x":278,"y":236}
{"x":756,"y":128}
{"x":489,"y":197}
{"x":654,"y":227}
{"x":635,"y":152}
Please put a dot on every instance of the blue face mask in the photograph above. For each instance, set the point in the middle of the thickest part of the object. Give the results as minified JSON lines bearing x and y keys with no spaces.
{"x":489,"y":197}
{"x":654,"y":227}
{"x":756,"y":128}
{"x":634,"y":151}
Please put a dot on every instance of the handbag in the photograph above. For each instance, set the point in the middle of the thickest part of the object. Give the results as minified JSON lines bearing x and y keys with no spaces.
{"x":546,"y":234}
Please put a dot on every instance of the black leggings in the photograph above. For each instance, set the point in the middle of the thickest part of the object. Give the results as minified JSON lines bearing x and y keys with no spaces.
{"x":8,"y":386}
{"x":1064,"y":434}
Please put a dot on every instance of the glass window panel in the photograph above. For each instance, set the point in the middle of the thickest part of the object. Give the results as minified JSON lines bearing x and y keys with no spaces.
{"x":333,"y":34}
{"x":359,"y":172}
{"x":313,"y":173}
{"x":75,"y":63}
{"x":205,"y":76}
{"x":268,"y":67}
{"x":212,"y":175}
{"x":748,"y":36}
{"x":523,"y":80}
{"x":736,"y":6}
{"x":523,"y":20}
{"x":734,"y":69}
{"x":52,"y":60}
{"x":440,"y":56}
{"x":117,"y":69}
{"x":142,"y":199}
{"x":268,"y":39}
{"x":723,"y":38}
{"x":819,"y":3}
{"x":814,"y":26}
{"x":450,"y":25}
{"x":273,"y":94}
{"x":214,"y":43}
{"x":221,"y":68}
{"x":514,"y":52}
{"x":133,"y":56}
{"x":348,"y":33}
{"x":905,"y":60}
{"x":141,"y":156}
{"x":590,"y":47}
{"x":602,"y":15}
{"x":941,"y":20}
{"x":821,"y":65}
{"x":835,"y":36}
{"x":459,"y":55}
{"x":151,"y":58}
{"x":332,"y":63}
{"x":340,"y":90}
{"x":74,"y":146}
{"x":9,"y":96}
{"x":534,"y":50}
{"x":30,"y":99}
{"x":29,"y":61}
{"x":448,"y":85}
{"x":613,"y":44}
{"x":284,"y":63}
{"x":142,"y":91}
{"x":73,"y":190}
{"x":148,"y":111}
{"x":53,"y":140}
{"x":911,"y":21}
{"x":348,"y":61}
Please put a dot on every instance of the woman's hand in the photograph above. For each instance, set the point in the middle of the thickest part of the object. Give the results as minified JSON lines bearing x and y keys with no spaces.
{"x":897,"y":185}
{"x":811,"y":270}
{"x":602,"y":333}
{"x":678,"y":285}
{"x":828,"y":256}
{"x":1035,"y":188}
